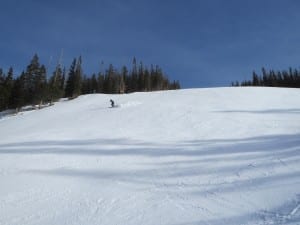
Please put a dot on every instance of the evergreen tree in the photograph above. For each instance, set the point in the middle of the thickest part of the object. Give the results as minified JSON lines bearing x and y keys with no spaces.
{"x":273,"y":78}
{"x":122,"y":85}
{"x":63,"y":79}
{"x":35,"y":82}
{"x":32,"y":86}
{"x":124,"y":80}
{"x":255,"y":79}
{"x":94,"y":84}
{"x":86,"y":85}
{"x":56,"y":87}
{"x":40,"y":88}
{"x":141,"y":78}
{"x":147,"y":80}
{"x":17,"y":97}
{"x":265,"y":77}
{"x":70,"y":84}
{"x":78,"y":78}
{"x":2,"y":90}
{"x":29,"y":80}
{"x":100,"y":83}
{"x":134,"y":77}
{"x":8,"y":84}
{"x":109,"y":80}
{"x":175,"y":85}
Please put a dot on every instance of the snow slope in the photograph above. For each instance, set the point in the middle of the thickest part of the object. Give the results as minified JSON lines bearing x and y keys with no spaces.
{"x":187,"y":157}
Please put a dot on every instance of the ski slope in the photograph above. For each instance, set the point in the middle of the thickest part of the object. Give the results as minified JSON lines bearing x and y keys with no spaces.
{"x":185,"y":157}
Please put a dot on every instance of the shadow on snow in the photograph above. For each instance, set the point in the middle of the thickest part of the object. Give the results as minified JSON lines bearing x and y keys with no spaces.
{"x":220,"y":166}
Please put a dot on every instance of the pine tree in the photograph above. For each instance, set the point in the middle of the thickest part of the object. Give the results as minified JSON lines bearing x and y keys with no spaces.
{"x":94,"y":84}
{"x":271,"y":78}
{"x":8,"y":84}
{"x":255,"y":80}
{"x":134,"y":77}
{"x":124,"y":80}
{"x":29,"y":80}
{"x":35,"y":82}
{"x":265,"y":77}
{"x":175,"y":85}
{"x":17,"y":97}
{"x":32,"y":86}
{"x":147,"y":80}
{"x":56,"y":90}
{"x":40,"y":89}
{"x":63,"y":79}
{"x":85,"y":87}
{"x":122,"y":85}
{"x":109,"y":80}
{"x":78,"y":78}
{"x":2,"y":90}
{"x":100,"y":83}
{"x":70,"y":84}
{"x":141,"y":78}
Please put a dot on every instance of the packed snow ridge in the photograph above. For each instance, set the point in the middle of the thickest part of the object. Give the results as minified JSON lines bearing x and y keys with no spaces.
{"x":185,"y":157}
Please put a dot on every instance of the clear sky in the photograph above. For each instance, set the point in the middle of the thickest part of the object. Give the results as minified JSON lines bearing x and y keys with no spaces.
{"x":202,"y":43}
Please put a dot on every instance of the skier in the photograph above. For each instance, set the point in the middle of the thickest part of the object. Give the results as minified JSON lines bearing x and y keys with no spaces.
{"x":112,"y":103}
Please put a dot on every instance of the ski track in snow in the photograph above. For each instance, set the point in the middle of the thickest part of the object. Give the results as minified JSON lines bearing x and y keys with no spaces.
{"x":200,"y":156}
{"x":288,"y":214}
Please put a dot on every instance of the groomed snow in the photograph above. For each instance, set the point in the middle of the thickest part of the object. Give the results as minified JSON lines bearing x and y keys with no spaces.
{"x":186,"y":157}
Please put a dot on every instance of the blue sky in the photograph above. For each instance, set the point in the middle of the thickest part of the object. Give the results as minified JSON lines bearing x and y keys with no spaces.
{"x":202,"y":43}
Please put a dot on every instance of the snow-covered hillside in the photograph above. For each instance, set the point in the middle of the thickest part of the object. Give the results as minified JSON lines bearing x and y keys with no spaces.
{"x":187,"y":157}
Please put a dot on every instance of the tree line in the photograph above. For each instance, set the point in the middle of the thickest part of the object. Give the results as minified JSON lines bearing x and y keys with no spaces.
{"x":34,"y":86}
{"x":285,"y":78}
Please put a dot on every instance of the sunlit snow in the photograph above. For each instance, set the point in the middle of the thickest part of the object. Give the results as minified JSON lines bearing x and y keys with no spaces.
{"x":186,"y":157}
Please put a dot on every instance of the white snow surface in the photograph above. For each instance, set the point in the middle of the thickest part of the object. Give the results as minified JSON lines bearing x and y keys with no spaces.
{"x":185,"y":157}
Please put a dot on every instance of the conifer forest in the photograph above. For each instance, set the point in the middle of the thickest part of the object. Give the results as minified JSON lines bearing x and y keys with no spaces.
{"x":286,"y":78}
{"x":37,"y":86}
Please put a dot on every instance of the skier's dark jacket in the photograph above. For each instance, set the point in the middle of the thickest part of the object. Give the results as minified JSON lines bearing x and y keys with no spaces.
{"x":112,"y":103}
